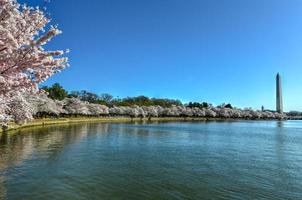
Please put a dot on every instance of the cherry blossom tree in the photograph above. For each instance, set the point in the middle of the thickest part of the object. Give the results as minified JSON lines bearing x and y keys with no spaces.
{"x":150,"y":111}
{"x":43,"y":106}
{"x":115,"y":111}
{"x":75,"y":106}
{"x":210,"y":113}
{"x":98,"y":110}
{"x":132,"y":111}
{"x":3,"y":109}
{"x":140,"y":112}
{"x":24,"y":63}
{"x":19,"y":109}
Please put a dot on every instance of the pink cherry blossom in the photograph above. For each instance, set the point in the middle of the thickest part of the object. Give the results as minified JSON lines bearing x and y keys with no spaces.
{"x":23,"y":61}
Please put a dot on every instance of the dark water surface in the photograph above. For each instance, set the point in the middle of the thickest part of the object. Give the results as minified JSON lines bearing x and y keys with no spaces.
{"x":216,"y":160}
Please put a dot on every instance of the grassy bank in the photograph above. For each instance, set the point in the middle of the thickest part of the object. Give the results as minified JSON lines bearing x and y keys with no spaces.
{"x":55,"y":121}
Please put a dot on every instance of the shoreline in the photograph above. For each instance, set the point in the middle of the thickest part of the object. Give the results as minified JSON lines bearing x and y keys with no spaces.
{"x":58,"y":121}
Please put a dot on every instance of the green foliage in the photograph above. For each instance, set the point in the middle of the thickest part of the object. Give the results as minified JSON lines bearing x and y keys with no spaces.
{"x":145,"y":101}
{"x":294,"y":113}
{"x":85,"y":96}
{"x":198,"y":105}
{"x":225,"y":106}
{"x":88,"y":96}
{"x":205,"y":104}
{"x":228,"y":106}
{"x":74,"y":94}
{"x":106,"y":97}
{"x":56,"y":91}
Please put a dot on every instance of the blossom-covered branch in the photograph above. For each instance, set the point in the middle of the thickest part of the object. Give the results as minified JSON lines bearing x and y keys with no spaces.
{"x":23,"y":61}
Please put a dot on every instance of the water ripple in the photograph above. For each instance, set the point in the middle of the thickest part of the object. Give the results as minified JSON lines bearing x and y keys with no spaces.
{"x":238,"y":160}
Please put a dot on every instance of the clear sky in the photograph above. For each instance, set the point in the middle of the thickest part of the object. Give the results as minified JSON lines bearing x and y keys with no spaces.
{"x":193,"y":50}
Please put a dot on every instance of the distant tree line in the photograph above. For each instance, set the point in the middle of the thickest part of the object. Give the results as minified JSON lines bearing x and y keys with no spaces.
{"x":57,"y":92}
{"x":59,"y":103}
{"x":294,"y":114}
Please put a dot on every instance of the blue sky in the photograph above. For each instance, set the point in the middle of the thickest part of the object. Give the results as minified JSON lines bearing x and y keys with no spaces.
{"x":193,"y":50}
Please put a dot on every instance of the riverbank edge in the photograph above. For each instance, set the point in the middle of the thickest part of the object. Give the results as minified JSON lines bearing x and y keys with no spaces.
{"x":57,"y":121}
{"x":73,"y":120}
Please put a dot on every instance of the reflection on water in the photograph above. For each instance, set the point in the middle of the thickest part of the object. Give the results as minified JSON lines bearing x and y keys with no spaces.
{"x":280,"y":124}
{"x":231,"y":160}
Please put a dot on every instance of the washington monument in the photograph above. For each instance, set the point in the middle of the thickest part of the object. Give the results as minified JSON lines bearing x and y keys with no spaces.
{"x":279,"y":100}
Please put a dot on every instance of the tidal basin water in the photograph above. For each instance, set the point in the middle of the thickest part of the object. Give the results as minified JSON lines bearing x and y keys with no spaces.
{"x":176,"y":160}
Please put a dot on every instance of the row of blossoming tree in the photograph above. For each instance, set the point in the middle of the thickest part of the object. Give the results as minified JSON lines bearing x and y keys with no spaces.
{"x":42,"y":106}
{"x":24,"y":63}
